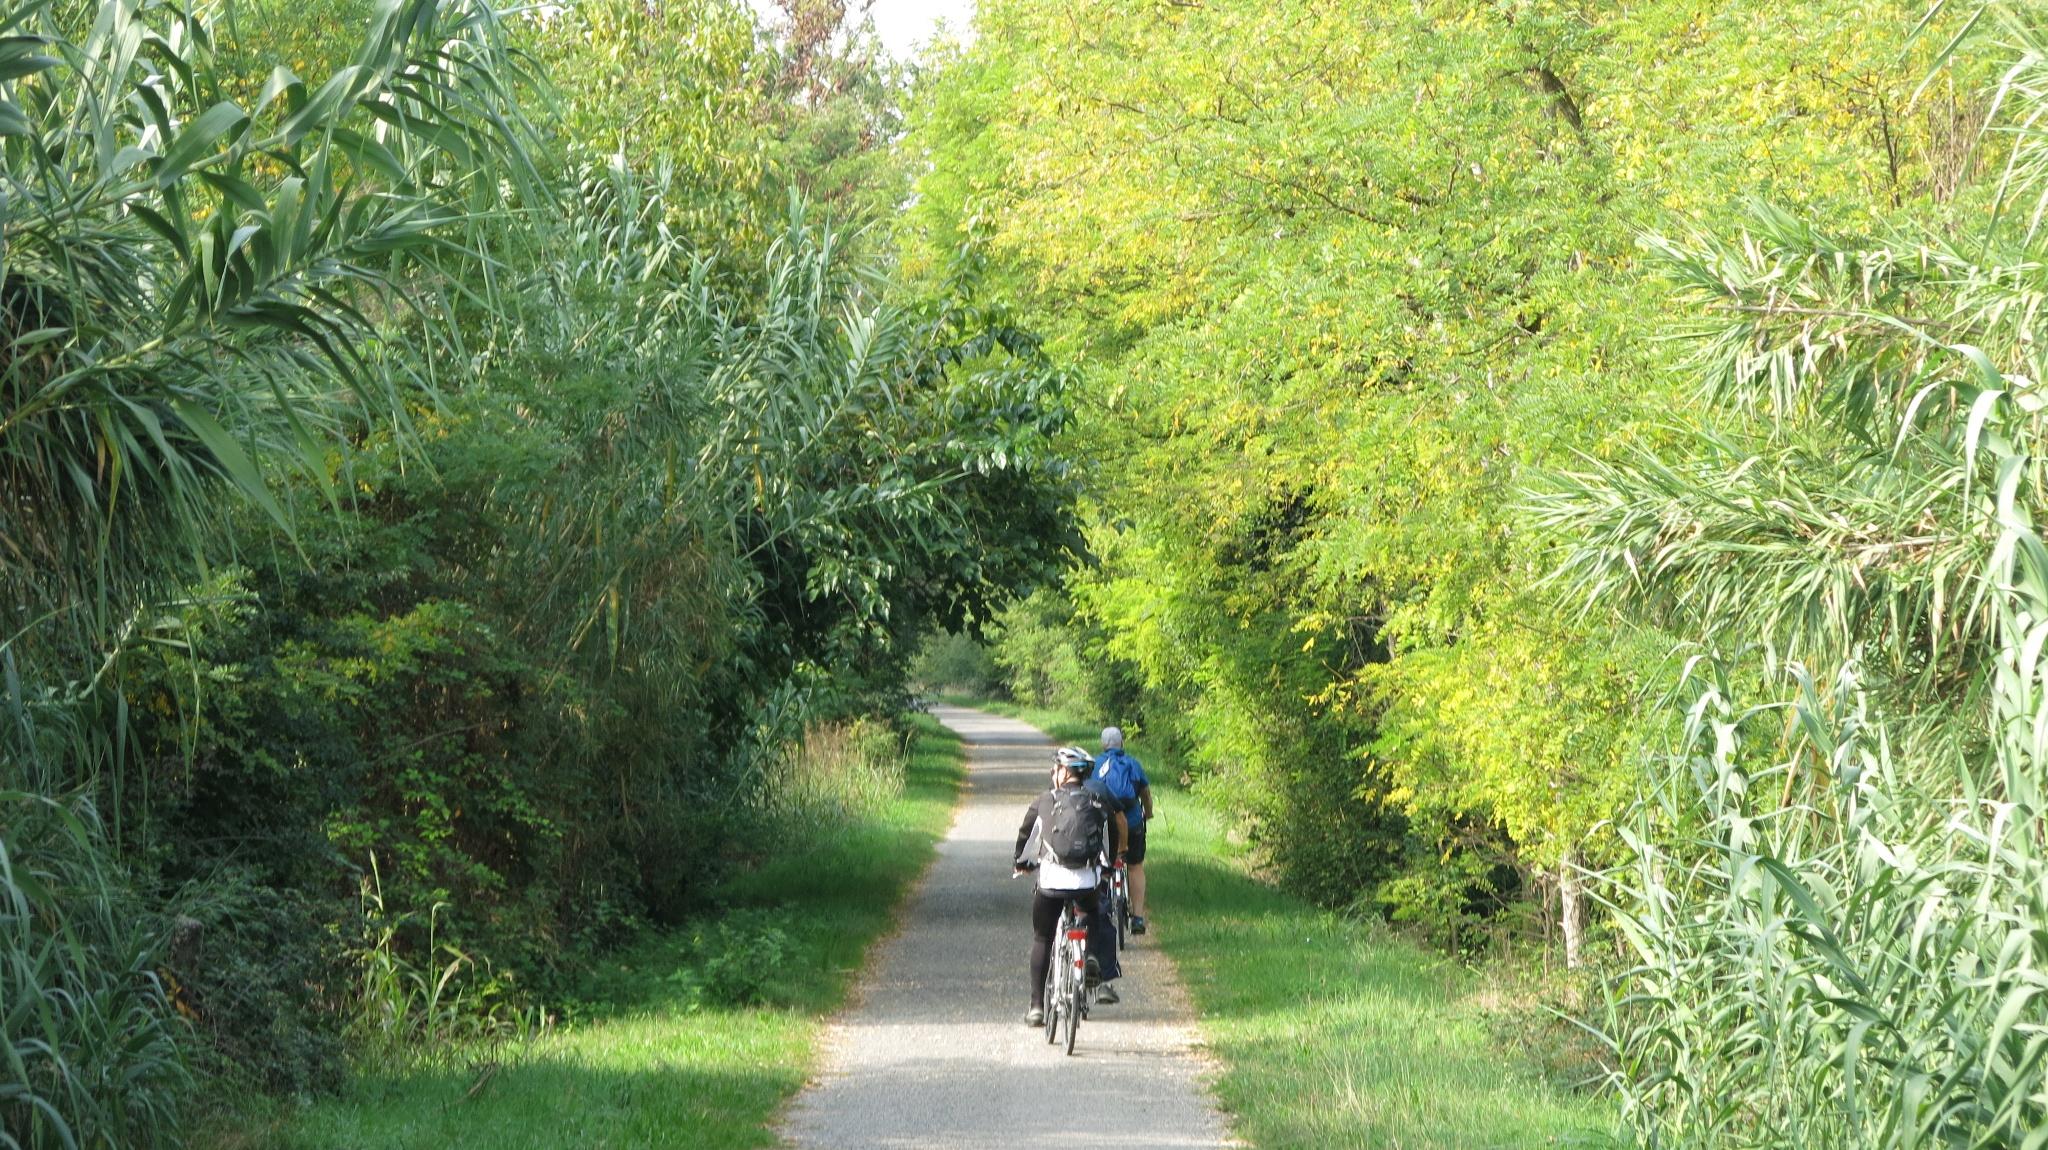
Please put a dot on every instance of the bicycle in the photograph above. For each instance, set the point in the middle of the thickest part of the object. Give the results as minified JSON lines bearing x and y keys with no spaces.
{"x":1066,"y":980}
{"x":1120,"y":902}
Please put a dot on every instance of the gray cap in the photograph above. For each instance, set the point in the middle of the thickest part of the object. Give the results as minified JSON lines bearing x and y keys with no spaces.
{"x":1112,"y":738}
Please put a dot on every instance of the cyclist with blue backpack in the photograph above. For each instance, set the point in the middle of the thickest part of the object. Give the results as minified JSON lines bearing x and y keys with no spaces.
{"x":1065,"y":836}
{"x":1119,"y":778}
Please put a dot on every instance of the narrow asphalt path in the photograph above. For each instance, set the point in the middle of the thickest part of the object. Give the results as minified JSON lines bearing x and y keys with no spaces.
{"x":935,"y":1056}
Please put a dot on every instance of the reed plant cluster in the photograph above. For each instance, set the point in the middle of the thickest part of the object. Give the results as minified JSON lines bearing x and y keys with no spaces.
{"x":420,"y":542}
{"x":1835,"y":894}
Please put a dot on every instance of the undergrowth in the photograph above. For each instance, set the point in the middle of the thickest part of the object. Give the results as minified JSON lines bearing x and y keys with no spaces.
{"x":701,"y":1032}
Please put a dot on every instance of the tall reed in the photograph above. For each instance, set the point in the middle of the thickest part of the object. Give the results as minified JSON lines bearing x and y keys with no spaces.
{"x":87,"y":1032}
{"x":1834,"y":946}
{"x":1837,"y":897}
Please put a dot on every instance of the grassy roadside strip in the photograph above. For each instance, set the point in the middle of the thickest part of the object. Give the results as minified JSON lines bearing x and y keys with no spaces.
{"x":647,"y":1068}
{"x":1331,"y":1032}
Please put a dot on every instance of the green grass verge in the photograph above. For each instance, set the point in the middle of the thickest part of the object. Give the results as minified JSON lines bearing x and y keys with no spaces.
{"x":645,"y":1069}
{"x":1331,"y":1032}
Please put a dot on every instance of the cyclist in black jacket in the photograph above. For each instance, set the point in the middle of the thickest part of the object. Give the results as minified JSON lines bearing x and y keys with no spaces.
{"x":1058,"y":884}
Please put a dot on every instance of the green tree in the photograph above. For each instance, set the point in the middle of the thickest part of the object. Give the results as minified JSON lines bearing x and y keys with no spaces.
{"x":836,"y":110}
{"x":186,"y":302}
{"x":677,"y":92}
{"x":1338,"y":278}
{"x":424,"y":529}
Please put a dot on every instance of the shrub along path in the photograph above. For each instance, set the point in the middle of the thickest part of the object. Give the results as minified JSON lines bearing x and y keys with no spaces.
{"x":936,"y":1056}
{"x":647,"y":1064}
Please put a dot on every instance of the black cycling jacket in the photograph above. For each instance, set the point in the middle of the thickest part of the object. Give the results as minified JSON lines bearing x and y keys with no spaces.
{"x":1041,"y":808}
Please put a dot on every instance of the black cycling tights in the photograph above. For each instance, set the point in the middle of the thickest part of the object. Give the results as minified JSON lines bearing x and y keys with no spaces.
{"x":1045,"y":918}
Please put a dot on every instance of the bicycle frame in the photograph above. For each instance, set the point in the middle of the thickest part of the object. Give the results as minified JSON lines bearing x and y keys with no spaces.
{"x":1120,"y":902}
{"x":1067,"y":997}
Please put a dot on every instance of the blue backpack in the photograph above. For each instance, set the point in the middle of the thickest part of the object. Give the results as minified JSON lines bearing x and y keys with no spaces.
{"x":1117,"y":776}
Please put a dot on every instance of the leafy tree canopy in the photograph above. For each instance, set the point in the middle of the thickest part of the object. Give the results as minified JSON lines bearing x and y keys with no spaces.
{"x":1340,"y":277}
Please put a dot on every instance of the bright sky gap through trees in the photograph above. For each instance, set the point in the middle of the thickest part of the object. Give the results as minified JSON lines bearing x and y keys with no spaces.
{"x":905,"y":26}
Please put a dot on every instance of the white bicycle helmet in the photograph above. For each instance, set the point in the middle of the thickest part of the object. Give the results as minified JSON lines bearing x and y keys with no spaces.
{"x":1073,"y":760}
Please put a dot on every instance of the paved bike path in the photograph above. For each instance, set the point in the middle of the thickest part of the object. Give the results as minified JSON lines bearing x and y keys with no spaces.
{"x":935,"y":1056}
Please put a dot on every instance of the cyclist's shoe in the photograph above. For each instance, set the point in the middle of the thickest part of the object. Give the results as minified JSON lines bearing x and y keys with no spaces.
{"x":1034,"y":1017}
{"x":1094,"y":971}
{"x":1137,"y":924}
{"x":1106,"y":995}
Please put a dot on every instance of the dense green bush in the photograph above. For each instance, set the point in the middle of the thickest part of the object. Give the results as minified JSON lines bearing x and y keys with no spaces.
{"x":1836,"y":943}
{"x":1834,"y":890}
{"x":195,"y":302}
{"x":258,"y":970}
{"x":429,"y":526}
{"x":391,"y":694}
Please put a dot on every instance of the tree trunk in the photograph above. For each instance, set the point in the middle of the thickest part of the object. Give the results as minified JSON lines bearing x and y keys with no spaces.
{"x":1572,"y":919}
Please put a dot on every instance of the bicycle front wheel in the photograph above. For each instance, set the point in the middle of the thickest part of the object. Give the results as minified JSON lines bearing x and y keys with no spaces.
{"x":1073,"y":1021}
{"x":1054,"y":999}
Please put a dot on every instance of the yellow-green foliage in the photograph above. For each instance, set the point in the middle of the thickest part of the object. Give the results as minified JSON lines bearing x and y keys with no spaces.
{"x":678,"y":87}
{"x":1341,"y":276}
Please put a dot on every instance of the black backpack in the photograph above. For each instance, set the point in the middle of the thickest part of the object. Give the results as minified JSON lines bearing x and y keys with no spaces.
{"x":1073,"y":828}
